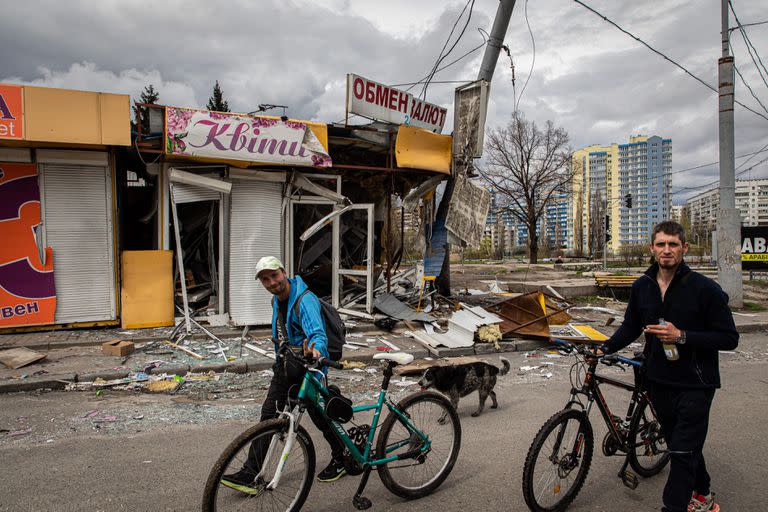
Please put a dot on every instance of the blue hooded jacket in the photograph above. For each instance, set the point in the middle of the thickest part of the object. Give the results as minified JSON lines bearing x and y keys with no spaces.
{"x":309,"y":325}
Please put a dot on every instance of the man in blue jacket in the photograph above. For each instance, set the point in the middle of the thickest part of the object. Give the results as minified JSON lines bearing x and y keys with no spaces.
{"x":686,"y":321}
{"x":303,"y":334}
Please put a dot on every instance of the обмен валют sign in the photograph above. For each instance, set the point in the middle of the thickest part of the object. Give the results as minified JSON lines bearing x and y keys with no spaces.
{"x":384,"y":103}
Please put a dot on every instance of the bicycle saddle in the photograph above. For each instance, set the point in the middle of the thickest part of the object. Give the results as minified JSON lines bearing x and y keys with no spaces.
{"x":397,"y":357}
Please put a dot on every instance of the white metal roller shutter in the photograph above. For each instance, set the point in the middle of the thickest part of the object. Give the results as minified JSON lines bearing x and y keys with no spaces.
{"x":77,"y":220}
{"x":185,"y":193}
{"x":254,"y":232}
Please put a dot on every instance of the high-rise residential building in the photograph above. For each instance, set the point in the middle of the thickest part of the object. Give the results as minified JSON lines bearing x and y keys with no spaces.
{"x":751,"y":201}
{"x":677,"y":212}
{"x":603,"y":177}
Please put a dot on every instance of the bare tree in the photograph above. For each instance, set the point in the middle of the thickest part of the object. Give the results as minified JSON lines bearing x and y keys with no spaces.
{"x":526,"y":166}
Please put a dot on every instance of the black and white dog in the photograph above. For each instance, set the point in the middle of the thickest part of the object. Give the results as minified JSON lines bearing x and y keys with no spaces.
{"x":460,"y":380}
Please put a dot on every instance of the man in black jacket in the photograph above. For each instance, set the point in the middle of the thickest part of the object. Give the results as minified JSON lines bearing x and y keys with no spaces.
{"x":687,"y":314}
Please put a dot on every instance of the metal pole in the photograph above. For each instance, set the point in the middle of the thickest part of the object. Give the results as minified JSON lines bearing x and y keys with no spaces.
{"x":491,"y":56}
{"x":496,"y":39}
{"x":728,"y":217}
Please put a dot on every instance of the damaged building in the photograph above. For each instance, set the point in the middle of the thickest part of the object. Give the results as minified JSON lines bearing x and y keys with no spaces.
{"x":138,"y":229}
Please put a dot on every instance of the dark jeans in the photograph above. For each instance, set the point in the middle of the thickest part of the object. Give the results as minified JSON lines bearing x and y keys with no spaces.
{"x":684,"y":417}
{"x":275,"y":402}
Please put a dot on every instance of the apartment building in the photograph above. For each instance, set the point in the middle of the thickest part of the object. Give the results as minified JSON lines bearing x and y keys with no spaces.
{"x":603,"y":177}
{"x":751,"y":201}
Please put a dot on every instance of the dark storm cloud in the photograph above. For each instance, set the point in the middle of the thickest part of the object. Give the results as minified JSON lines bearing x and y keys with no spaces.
{"x":596,"y":82}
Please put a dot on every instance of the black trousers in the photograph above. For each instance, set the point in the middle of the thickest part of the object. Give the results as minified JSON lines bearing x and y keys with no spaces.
{"x":684,"y":417}
{"x":277,"y":395}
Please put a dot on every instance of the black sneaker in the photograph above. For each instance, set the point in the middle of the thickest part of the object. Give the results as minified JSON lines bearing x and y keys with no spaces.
{"x":242,"y":481}
{"x":332,"y":472}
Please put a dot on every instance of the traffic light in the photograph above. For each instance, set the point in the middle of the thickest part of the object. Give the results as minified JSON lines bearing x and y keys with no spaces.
{"x":628,"y":200}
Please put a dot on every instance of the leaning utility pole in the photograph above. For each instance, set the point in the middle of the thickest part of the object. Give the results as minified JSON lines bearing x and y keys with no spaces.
{"x":492,"y":49}
{"x":728,"y":217}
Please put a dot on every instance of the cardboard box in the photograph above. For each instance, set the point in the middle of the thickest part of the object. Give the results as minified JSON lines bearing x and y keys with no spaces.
{"x":117,"y":348}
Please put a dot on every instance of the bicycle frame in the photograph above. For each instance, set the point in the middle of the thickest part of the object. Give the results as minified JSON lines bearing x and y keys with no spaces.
{"x":314,"y":394}
{"x":591,"y":389}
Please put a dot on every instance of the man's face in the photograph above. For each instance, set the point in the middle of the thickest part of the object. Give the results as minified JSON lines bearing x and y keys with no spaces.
{"x":275,"y":281}
{"x":668,"y":250}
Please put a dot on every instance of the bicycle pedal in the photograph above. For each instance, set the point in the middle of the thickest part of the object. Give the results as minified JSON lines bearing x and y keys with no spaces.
{"x":361,"y":503}
{"x":630,"y":479}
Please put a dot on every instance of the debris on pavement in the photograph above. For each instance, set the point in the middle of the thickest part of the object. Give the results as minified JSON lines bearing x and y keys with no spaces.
{"x":15,"y":358}
{"x":531,"y":314}
{"x":120,"y":348}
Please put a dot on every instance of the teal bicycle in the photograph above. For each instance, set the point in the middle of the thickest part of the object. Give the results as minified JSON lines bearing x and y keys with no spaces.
{"x":416,"y":448}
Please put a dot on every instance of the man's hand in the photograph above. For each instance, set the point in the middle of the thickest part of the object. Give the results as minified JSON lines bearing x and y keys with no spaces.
{"x":667,"y":333}
{"x":311,"y":350}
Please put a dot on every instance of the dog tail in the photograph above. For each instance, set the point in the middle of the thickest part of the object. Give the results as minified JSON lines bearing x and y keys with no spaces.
{"x":507,"y":366}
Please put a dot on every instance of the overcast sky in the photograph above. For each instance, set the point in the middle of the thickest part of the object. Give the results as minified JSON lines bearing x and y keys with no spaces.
{"x":597,"y":83}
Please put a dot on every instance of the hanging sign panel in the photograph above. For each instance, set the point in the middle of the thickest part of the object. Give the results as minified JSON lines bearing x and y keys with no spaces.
{"x":27,"y":290}
{"x":381,"y":102}
{"x":11,"y":121}
{"x":754,"y":248}
{"x":201,"y":133}
{"x":467,"y":211}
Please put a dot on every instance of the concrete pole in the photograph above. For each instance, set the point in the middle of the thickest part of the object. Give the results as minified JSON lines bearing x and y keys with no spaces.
{"x":728,"y":217}
{"x":496,"y":39}
{"x":491,"y":56}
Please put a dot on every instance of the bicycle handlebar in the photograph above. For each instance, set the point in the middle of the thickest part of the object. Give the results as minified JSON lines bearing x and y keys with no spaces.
{"x":323,"y":361}
{"x":608,"y":359}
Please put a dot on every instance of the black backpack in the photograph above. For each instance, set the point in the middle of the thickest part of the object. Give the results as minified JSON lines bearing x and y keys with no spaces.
{"x":335,"y":330}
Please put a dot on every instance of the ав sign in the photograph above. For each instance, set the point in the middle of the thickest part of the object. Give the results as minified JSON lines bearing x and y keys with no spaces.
{"x":754,"y":248}
{"x":11,"y":114}
{"x":378,"y":101}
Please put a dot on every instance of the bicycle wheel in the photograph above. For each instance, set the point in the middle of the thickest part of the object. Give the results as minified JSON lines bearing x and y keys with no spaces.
{"x":295,"y":481}
{"x":434,"y":416}
{"x":648,"y":449}
{"x":558,"y":461}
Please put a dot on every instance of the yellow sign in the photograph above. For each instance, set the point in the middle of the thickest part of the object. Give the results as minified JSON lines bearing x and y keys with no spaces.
{"x":763,"y":256}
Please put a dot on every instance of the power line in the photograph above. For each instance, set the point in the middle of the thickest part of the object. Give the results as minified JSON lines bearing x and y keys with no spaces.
{"x":421,"y":81}
{"x":533,"y":61}
{"x":471,"y":5}
{"x":657,"y":52}
{"x":762,"y":150}
{"x":739,"y":27}
{"x":750,"y":47}
{"x":749,"y":88}
{"x":698,"y":187}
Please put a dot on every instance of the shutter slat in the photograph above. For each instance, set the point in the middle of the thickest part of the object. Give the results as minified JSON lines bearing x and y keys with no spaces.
{"x":78,"y":226}
{"x":255,"y":224}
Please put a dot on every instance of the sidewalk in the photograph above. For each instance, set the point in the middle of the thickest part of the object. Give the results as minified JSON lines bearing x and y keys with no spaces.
{"x":76,"y":356}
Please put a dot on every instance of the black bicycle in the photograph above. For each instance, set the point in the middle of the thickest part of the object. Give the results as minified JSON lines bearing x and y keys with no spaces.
{"x":561,"y":453}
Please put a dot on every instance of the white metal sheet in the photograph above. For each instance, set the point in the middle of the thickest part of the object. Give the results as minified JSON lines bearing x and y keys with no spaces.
{"x":185,"y":193}
{"x":77,"y":220}
{"x":255,"y":227}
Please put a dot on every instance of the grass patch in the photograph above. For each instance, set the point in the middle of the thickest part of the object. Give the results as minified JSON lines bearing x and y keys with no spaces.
{"x":754,"y":306}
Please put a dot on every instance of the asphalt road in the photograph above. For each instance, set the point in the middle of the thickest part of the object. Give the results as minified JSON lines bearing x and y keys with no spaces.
{"x":163,"y":464}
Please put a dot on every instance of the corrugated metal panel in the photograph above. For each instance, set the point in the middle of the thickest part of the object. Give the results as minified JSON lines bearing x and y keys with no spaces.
{"x":255,"y":227}
{"x":77,"y":219}
{"x":184,"y":193}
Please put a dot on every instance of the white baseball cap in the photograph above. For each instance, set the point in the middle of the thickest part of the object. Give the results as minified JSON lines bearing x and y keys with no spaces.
{"x":268,"y":263}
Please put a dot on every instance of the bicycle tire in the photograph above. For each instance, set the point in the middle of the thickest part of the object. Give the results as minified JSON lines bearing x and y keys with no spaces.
{"x":534,"y":494}
{"x":296,"y":472}
{"x":645,"y":433}
{"x":435,"y":416}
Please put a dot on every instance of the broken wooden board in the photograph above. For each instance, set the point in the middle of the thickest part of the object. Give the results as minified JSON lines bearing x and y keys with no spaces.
{"x":420,"y":365}
{"x":529,"y":314}
{"x":20,"y":356}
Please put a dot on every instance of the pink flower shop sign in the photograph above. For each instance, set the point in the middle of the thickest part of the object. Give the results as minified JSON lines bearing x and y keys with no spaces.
{"x":239,"y":137}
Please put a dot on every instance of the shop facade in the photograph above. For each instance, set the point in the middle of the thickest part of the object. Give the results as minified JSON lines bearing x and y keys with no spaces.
{"x":58,"y":261}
